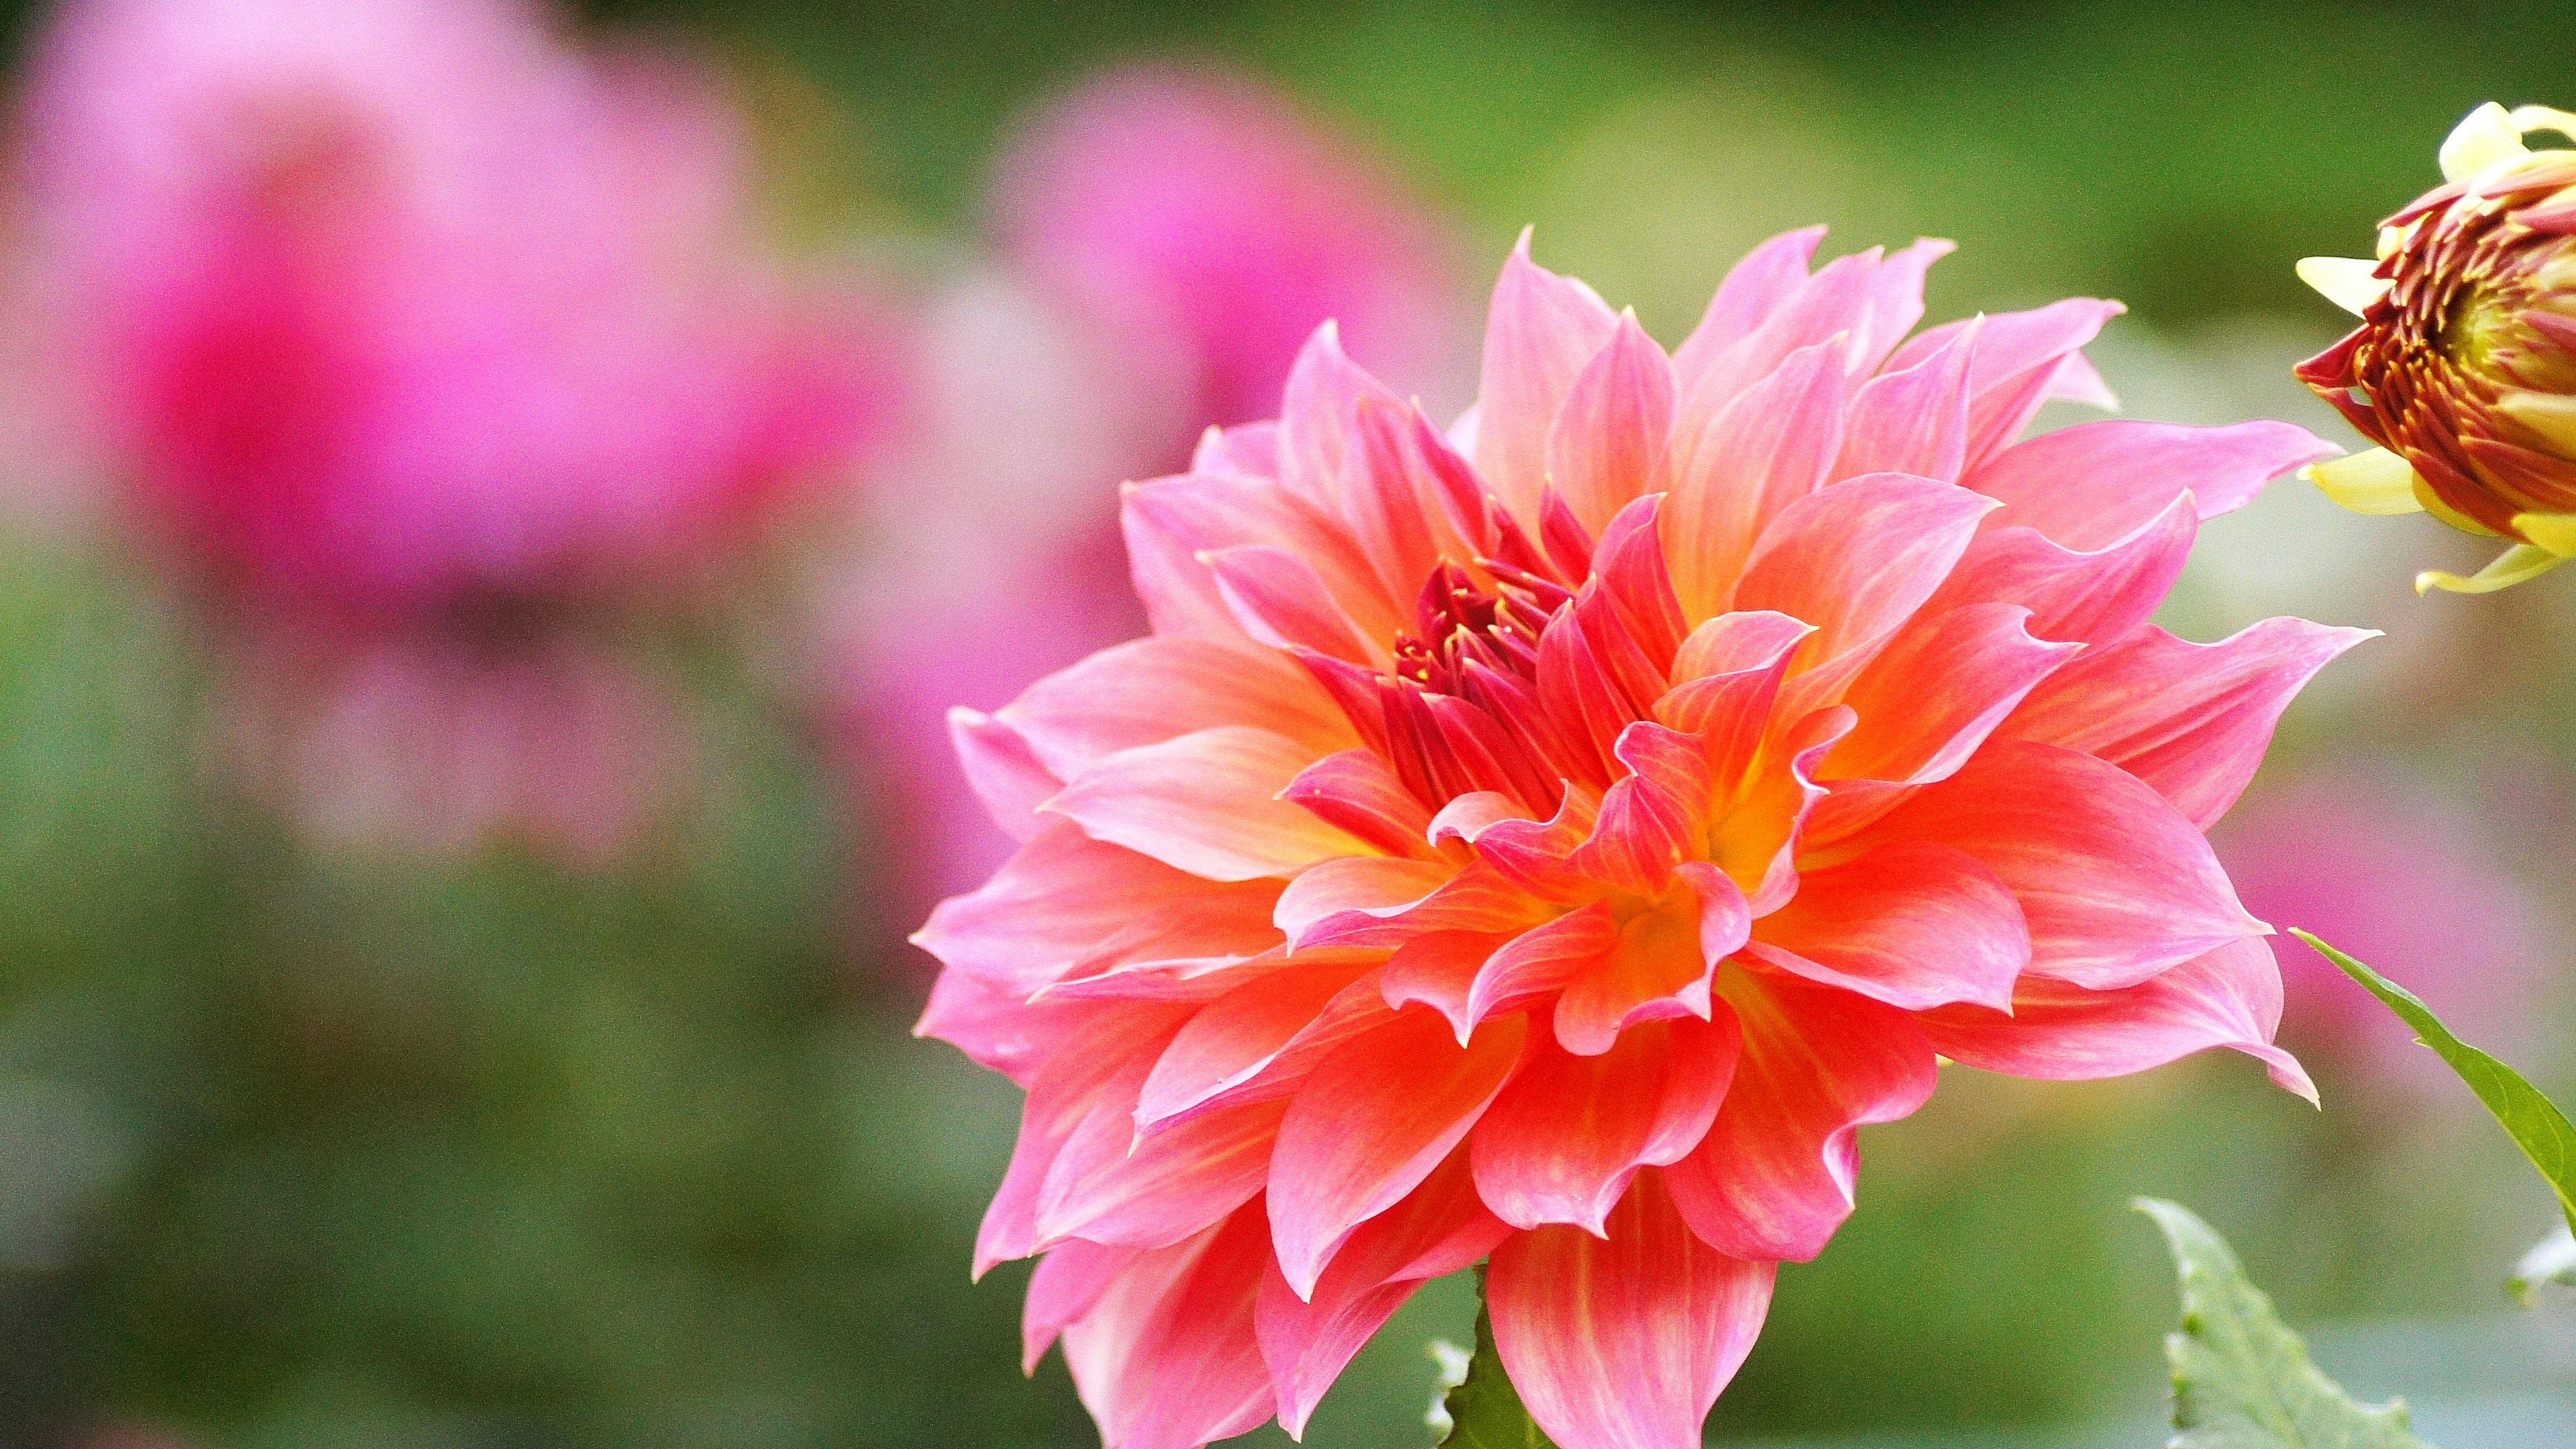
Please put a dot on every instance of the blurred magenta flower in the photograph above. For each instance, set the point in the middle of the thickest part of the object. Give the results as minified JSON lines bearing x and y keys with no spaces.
{"x":1167,"y":239}
{"x":1553,"y":838}
{"x":2392,"y":870}
{"x":1213,"y":226}
{"x":401,"y":319}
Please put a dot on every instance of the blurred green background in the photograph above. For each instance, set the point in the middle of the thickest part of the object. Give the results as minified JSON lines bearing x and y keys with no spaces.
{"x":296,"y":1150}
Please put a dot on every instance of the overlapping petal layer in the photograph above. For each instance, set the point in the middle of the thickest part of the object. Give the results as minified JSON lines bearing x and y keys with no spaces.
{"x":1553,"y":837}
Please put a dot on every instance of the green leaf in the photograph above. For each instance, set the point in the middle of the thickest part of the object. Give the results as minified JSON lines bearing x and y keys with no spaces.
{"x":2552,"y":1260}
{"x":2241,"y":1379}
{"x":2537,"y":1126}
{"x":1484,"y":1410}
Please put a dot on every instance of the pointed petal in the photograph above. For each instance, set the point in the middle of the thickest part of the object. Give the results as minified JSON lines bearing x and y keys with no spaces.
{"x":998,"y":1030}
{"x":1660,"y":967}
{"x":1541,"y":331}
{"x":1439,"y":1228}
{"x":1167,"y":1359}
{"x":1318,"y":416}
{"x":1107,"y":1186}
{"x":1914,"y":421}
{"x":1353,"y":790}
{"x":2115,"y":883}
{"x":2092,"y":484}
{"x":1734,"y":469}
{"x":1207,"y":802}
{"x":1541,"y":960}
{"x":1912,"y":925}
{"x":1231,"y":1039}
{"x":1003,"y":771}
{"x":1565,"y":1138}
{"x":2228,"y":998}
{"x":1606,"y":446}
{"x":2083,"y":597}
{"x":1856,"y":559}
{"x":1068,"y":1284}
{"x":1066,"y":898}
{"x":1938,"y":690}
{"x":1148,"y":690}
{"x":1775,"y":1176}
{"x":1624,"y":1343}
{"x":2192,"y":720}
{"x":1760,"y":284}
{"x":1278,"y":599}
{"x":1370,"y":1123}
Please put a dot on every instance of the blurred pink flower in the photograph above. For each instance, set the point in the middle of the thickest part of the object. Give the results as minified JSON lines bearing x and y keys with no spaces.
{"x":1214,"y":226}
{"x":2392,"y":870}
{"x":400,"y":317}
{"x":1168,"y":238}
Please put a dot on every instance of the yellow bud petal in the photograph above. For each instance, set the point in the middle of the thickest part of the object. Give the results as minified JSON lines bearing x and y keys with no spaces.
{"x":2393,"y":237}
{"x":2345,"y":281}
{"x":2514,"y":565}
{"x":2375,"y":482}
{"x":2528,"y":119}
{"x":2486,"y":136}
{"x":2555,"y":532}
{"x":2551,"y":415}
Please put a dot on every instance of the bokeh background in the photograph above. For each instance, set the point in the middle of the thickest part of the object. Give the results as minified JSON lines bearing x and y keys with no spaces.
{"x":458,"y":998}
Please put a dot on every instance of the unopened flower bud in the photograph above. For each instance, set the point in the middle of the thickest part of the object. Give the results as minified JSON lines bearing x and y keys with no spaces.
{"x":2463,"y":369}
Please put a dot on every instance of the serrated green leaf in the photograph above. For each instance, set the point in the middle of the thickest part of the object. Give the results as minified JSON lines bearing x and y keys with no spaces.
{"x":2535,"y":1123}
{"x":1485,"y":1411}
{"x":2552,"y":1260}
{"x":2241,"y":1379}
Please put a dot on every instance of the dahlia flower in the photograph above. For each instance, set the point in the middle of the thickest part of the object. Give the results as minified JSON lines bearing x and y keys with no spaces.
{"x":2463,"y":369}
{"x":1549,"y":840}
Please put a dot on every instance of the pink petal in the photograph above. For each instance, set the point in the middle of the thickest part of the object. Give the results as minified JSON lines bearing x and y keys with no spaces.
{"x":1235,"y":1038}
{"x":1148,"y":690}
{"x":1624,"y":1343}
{"x":2089,"y":598}
{"x":1370,"y":1123}
{"x":1394,"y":494}
{"x":1318,"y":415}
{"x":1107,"y":1185}
{"x":1439,"y":970}
{"x":1734,"y":469}
{"x":1760,"y":284}
{"x":1564,"y":1139}
{"x":1002,"y":769}
{"x":1208,"y":803}
{"x":2192,"y":720}
{"x":2228,"y":998}
{"x":1856,"y":559}
{"x":1912,"y":925}
{"x":1114,"y":1058}
{"x":1660,"y":967}
{"x":1068,"y":1284}
{"x":1895,"y":304}
{"x":998,"y":1030}
{"x":1250,"y":450}
{"x":1653,"y":818}
{"x":2092,"y":484}
{"x":1167,"y":1358}
{"x":1775,"y":1175}
{"x":1938,"y":690}
{"x":1439,"y":1228}
{"x":1540,"y":333}
{"x":2115,"y":883}
{"x":1541,"y":960}
{"x":1354,"y":791}
{"x":1914,"y":421}
{"x":1606,"y":446}
{"x":1835,"y":302}
{"x":1477,"y":898}
{"x":1278,"y":599}
{"x":1195,"y":515}
{"x":2020,"y":356}
{"x":1066,"y":898}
